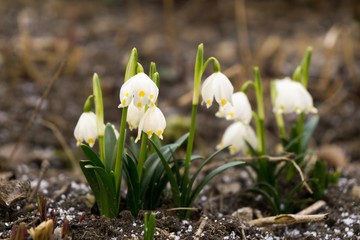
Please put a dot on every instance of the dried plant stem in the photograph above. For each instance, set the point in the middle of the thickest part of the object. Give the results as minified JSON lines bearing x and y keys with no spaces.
{"x":59,"y":136}
{"x":27,"y":126}
{"x":44,"y":167}
{"x":288,"y":219}
{"x":242,"y":32}
{"x":312,"y":208}
{"x":201,"y":228}
{"x":182,"y":208}
{"x":289,"y":158}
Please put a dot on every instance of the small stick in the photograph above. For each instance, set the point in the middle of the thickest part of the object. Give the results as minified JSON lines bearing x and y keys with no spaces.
{"x":201,"y":228}
{"x":288,"y":219}
{"x":60,"y":137}
{"x":312,"y":208}
{"x":182,"y":208}
{"x":29,"y":123}
{"x":44,"y":167}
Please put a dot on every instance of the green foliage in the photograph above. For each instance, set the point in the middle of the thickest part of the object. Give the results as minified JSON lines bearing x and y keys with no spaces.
{"x":149,"y":226}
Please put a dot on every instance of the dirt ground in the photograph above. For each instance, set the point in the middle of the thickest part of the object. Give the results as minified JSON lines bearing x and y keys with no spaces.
{"x":50,"y":50}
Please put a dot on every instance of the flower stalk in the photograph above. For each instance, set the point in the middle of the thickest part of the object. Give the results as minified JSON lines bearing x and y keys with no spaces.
{"x":99,"y":110}
{"x":129,"y":72}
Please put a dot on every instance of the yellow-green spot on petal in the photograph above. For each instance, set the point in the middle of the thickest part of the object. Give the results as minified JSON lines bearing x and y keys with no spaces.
{"x":126,"y":94}
{"x":141,"y":93}
{"x":149,"y":133}
{"x":139,"y":104}
{"x":91,"y":141}
{"x":123,"y":102}
{"x":230,"y":114}
{"x":151,"y":96}
{"x":159,"y":133}
{"x":223,"y":102}
{"x":208,"y":102}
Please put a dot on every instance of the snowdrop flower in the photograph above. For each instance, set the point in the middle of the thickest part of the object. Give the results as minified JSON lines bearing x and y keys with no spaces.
{"x":139,"y":88}
{"x":236,"y":136}
{"x":291,"y":96}
{"x":134,"y":115}
{"x":153,"y":122}
{"x":86,"y":129}
{"x":239,"y":110}
{"x":219,"y":86}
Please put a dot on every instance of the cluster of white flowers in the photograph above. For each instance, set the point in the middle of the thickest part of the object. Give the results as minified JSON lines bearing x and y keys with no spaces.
{"x":290,"y":97}
{"x":232,"y":106}
{"x":139,"y":93}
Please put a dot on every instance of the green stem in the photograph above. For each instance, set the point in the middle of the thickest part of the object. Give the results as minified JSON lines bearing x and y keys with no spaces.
{"x":305,"y":65}
{"x":142,"y":155}
{"x":99,"y":110}
{"x":281,"y":125}
{"x":300,"y":129}
{"x":216,"y":63}
{"x":195,"y":101}
{"x":260,"y":110}
{"x":120,"y":149}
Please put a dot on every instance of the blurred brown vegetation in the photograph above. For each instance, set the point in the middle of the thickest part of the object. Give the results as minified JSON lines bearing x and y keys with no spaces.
{"x":90,"y":36}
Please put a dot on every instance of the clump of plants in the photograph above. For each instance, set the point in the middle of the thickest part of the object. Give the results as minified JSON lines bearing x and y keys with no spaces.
{"x":148,"y":166}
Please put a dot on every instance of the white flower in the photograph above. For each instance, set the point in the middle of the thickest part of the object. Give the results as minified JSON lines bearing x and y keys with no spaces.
{"x":139,"y":88}
{"x":219,"y":86}
{"x":153,"y":122}
{"x":134,"y":115}
{"x":239,"y":110}
{"x":236,"y":136}
{"x":291,"y":96}
{"x":86,"y":129}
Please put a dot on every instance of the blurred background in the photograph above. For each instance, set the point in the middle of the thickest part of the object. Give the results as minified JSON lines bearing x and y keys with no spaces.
{"x":49,"y":51}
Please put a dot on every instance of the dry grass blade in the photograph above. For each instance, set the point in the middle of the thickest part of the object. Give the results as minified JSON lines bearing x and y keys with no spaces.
{"x":288,"y":219}
{"x":27,"y":126}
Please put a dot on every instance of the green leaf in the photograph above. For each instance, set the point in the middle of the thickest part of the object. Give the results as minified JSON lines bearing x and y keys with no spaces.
{"x":110,"y":146}
{"x":202,"y":165}
{"x":133,"y":196}
{"x":92,"y":156}
{"x":170,"y":175}
{"x":91,"y":179}
{"x":309,"y":129}
{"x":210,"y":176}
{"x":108,"y":195}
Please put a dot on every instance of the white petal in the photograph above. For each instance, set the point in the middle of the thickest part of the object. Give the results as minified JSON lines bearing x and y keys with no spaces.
{"x":236,"y":135}
{"x":153,"y":122}
{"x":134,"y":115}
{"x":207,"y":92}
{"x":86,"y":128}
{"x":219,"y":86}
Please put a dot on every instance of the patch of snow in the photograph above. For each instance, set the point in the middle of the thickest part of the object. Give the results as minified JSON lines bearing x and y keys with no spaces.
{"x":348,"y":221}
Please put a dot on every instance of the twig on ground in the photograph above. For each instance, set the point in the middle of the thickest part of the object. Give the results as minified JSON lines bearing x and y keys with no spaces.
{"x":182,"y":208}
{"x":60,"y":137}
{"x":201,"y":228}
{"x":287,"y":219}
{"x":44,"y":167}
{"x":312,"y":208}
{"x":26,"y":127}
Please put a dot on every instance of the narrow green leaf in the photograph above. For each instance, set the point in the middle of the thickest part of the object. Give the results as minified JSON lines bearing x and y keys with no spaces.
{"x":110,"y":145}
{"x":170,"y":175}
{"x":210,"y":176}
{"x":92,"y":156}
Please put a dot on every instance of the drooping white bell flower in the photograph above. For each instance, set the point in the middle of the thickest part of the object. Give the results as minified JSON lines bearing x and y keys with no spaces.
{"x":139,"y":88}
{"x":153,"y":122}
{"x":219,"y":86}
{"x":236,"y":135}
{"x":86,"y":129}
{"x":291,"y":96}
{"x":239,"y":110}
{"x":134,"y":115}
